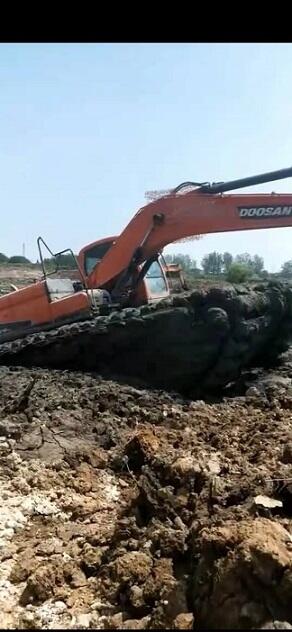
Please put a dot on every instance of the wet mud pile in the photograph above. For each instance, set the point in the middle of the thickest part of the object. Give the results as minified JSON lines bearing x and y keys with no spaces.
{"x":194,"y":343}
{"x":125,"y":507}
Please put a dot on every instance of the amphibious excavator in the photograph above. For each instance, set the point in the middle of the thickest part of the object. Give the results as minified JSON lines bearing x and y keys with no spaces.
{"x":122,"y":279}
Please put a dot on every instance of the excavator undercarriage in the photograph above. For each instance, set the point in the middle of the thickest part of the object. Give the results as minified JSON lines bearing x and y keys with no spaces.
{"x":194,"y":343}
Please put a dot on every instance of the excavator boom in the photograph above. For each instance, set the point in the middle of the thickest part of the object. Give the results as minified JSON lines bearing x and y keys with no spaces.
{"x":203,"y":210}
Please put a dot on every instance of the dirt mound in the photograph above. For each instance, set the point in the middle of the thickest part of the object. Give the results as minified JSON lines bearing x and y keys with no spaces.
{"x":244,"y":574}
{"x":128,"y":508}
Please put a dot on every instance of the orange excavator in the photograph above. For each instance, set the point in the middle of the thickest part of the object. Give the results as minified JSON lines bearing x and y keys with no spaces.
{"x":127,"y":270}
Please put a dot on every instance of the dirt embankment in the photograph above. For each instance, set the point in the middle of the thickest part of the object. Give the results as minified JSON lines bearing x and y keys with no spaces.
{"x":130,"y":508}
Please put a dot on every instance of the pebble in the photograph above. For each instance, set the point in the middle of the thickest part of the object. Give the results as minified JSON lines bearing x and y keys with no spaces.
{"x":99,"y":605}
{"x":179,"y":523}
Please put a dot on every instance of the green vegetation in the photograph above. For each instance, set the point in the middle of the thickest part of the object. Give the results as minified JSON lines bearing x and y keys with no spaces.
{"x":238,"y":273}
{"x":286,"y":270}
{"x":64,"y":262}
{"x":18,"y":259}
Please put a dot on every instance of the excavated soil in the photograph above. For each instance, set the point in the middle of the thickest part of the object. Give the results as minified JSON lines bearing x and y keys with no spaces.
{"x":124,"y":507}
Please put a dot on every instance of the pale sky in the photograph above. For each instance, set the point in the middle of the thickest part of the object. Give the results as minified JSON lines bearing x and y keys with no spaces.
{"x":85,"y":130}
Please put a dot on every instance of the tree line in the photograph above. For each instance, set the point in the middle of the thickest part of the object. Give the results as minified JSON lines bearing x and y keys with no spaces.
{"x":235,"y":269}
{"x":64,"y":261}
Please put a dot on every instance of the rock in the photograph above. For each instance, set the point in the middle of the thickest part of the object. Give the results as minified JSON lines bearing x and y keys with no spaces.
{"x":50,"y":547}
{"x":29,"y":621}
{"x":38,"y":504}
{"x":276,"y":625}
{"x":114,"y":622}
{"x":75,"y":576}
{"x":41,"y":585}
{"x":8,"y":552}
{"x":187,"y":466}
{"x":60,"y":606}
{"x":133,"y":566}
{"x":253,"y":392}
{"x":136,"y":596}
{"x":236,"y":562}
{"x":184,"y":621}
{"x":213,"y":465}
{"x":179,"y":523}
{"x":136,"y":624}
{"x":275,"y":382}
{"x":141,"y":448}
{"x":82,"y":620}
{"x":268,"y":503}
{"x":92,"y":555}
{"x":25,"y":565}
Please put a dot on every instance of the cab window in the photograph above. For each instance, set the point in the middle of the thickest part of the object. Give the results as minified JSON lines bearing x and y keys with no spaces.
{"x":155,"y":279}
{"x":94,"y":255}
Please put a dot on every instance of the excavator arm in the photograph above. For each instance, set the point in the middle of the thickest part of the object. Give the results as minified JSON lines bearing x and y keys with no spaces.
{"x":205,"y":209}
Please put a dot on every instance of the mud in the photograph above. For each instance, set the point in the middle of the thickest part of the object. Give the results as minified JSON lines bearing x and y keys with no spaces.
{"x":129,"y":508}
{"x":195,"y":343}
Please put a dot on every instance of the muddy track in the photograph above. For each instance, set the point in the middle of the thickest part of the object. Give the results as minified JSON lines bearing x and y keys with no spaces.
{"x":192,"y":343}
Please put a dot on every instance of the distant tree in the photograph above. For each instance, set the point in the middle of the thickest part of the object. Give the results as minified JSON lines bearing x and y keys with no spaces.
{"x":3,"y":258}
{"x":286,"y":269}
{"x":238,"y":273}
{"x":227,"y":261}
{"x":212,"y":263}
{"x":257,"y":264}
{"x":18,"y":259}
{"x":185,"y":261}
{"x":244,"y":259}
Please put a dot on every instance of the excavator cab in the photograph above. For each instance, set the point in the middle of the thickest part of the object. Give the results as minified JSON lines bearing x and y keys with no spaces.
{"x":152,"y":287}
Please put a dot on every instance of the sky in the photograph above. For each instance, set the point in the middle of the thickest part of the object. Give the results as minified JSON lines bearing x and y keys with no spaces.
{"x":87,"y":129}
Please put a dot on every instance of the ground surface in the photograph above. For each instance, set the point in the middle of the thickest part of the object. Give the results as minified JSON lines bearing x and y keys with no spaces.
{"x":125,"y":507}
{"x":17,"y":275}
